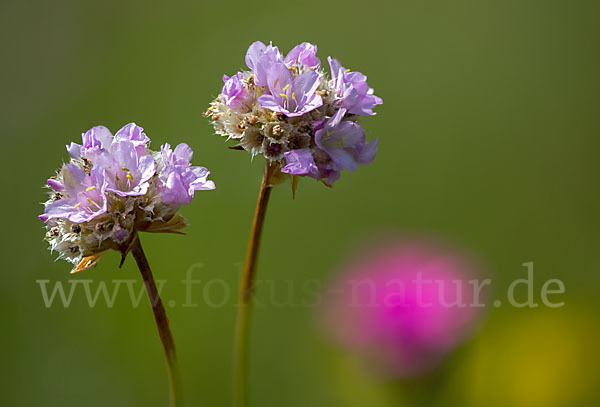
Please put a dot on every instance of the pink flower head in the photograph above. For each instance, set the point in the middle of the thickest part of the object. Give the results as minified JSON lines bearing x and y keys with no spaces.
{"x":114,"y":187}
{"x":287,"y":109}
{"x":404,"y":307}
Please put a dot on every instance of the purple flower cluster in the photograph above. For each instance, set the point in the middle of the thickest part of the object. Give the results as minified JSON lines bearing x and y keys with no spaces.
{"x":286,"y":109}
{"x":115,"y":186}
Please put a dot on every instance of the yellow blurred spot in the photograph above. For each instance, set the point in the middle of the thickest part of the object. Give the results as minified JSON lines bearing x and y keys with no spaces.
{"x":538,"y":358}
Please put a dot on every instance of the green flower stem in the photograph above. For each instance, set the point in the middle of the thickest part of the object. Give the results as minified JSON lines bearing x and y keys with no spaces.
{"x":162,"y":323}
{"x":242,"y":334}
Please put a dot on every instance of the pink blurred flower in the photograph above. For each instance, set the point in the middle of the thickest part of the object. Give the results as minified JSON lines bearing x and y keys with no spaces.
{"x":403,"y":307}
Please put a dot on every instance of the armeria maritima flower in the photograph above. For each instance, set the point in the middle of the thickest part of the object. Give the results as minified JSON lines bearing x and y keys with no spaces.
{"x":287,"y":109}
{"x":113,"y":187}
{"x":304,"y":123}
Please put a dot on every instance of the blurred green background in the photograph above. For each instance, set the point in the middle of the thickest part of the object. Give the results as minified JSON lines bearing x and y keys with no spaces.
{"x":489,"y":139}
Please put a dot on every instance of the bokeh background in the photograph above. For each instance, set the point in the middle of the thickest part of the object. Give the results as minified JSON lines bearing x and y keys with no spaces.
{"x":489,"y":140}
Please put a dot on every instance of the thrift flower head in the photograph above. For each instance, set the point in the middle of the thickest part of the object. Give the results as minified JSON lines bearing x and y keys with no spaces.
{"x":113,"y":187}
{"x":287,"y":109}
{"x":403,"y":307}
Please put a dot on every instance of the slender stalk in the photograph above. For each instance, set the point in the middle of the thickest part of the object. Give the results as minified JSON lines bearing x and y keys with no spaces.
{"x":246,"y":292}
{"x":162,"y":323}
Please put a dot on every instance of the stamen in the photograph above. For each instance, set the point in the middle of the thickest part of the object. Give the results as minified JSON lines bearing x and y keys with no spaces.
{"x":129,"y":176}
{"x":77,"y":205}
{"x":92,"y":202}
{"x":285,"y":96}
{"x":91,"y":188}
{"x":347,"y":70}
{"x":293,"y":95}
{"x":286,"y":86}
